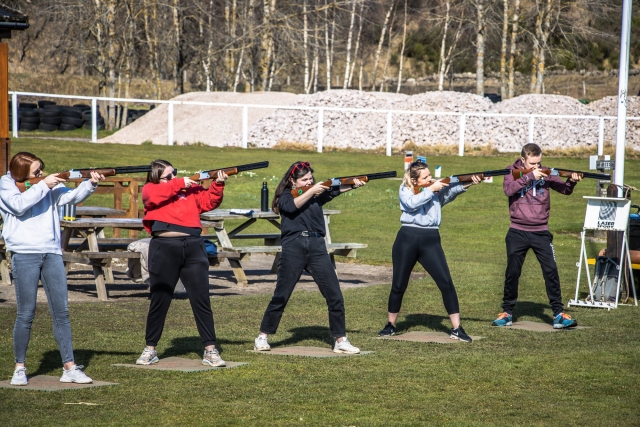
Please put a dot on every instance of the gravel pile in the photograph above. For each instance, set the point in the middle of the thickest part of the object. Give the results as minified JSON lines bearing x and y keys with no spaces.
{"x":222,"y":126}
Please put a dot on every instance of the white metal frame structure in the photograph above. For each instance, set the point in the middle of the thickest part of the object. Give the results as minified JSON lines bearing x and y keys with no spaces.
{"x":611,"y":214}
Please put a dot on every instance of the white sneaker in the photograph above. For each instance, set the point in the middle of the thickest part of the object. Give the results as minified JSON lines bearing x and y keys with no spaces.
{"x":148,"y":357}
{"x":19,"y":376}
{"x":212,"y":358}
{"x":261,"y":343}
{"x":75,"y":375}
{"x":345,"y":346}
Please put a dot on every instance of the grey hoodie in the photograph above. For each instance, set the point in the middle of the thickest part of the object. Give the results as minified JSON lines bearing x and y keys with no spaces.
{"x":31,"y":220}
{"x":424,"y":209}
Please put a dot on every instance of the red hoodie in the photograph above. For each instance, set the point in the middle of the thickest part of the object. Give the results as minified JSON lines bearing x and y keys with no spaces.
{"x":529,"y":199}
{"x":173,"y":203}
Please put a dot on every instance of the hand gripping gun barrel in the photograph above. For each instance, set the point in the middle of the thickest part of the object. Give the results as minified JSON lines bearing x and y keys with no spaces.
{"x":345,"y":180}
{"x":84,"y":174}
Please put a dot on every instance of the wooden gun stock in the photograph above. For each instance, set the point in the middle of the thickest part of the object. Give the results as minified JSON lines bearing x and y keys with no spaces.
{"x":75,"y":174}
{"x":345,"y":180}
{"x":232,"y":170}
{"x":566,"y":173}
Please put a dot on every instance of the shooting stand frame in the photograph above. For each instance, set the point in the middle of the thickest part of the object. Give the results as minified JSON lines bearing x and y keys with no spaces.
{"x":605,"y":213}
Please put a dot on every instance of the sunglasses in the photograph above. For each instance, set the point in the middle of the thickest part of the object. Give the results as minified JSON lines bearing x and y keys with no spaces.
{"x":170,"y":176}
{"x":300,"y":166}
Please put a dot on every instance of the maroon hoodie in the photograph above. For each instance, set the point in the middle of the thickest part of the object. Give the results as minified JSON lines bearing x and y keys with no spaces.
{"x":529,"y":199}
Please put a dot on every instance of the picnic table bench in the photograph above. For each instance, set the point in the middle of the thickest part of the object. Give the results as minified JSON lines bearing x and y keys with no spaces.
{"x":271,"y":240}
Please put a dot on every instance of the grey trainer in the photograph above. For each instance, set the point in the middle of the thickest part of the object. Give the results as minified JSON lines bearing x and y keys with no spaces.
{"x":345,"y":346}
{"x":148,"y":357}
{"x":75,"y":375}
{"x":212,"y":358}
{"x":19,"y":376}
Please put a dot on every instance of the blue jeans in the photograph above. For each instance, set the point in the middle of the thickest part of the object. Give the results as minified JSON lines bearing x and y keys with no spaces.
{"x":27,"y":270}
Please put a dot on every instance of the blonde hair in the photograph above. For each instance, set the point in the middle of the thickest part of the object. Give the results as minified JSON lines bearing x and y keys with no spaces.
{"x":413,"y":172}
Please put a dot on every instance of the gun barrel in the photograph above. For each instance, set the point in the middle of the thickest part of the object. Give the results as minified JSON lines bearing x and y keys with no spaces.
{"x":498,"y":172}
{"x":370,"y":176}
{"x":602,"y":176}
{"x":251,"y":166}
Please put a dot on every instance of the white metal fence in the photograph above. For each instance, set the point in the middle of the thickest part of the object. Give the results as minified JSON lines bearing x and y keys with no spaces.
{"x":244,"y":110}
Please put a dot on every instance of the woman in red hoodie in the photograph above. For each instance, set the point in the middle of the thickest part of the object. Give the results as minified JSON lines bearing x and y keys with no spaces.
{"x":172,"y":208}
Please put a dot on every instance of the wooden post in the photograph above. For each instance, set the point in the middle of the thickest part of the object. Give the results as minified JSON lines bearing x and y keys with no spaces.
{"x":5,"y":142}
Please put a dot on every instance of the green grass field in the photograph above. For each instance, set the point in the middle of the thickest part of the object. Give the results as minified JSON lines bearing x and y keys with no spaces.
{"x":584,"y":377}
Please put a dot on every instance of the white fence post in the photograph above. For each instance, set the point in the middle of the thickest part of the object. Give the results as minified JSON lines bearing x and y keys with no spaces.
{"x":320,"y":129}
{"x":389,"y":133}
{"x":600,"y":136}
{"x":463,"y":125}
{"x":170,"y":123}
{"x":94,"y":120}
{"x":245,"y":126}
{"x":14,"y":114}
{"x":531,"y":119}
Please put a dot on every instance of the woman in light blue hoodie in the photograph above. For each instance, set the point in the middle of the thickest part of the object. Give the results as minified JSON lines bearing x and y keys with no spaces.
{"x":31,"y":232}
{"x":419,"y":241}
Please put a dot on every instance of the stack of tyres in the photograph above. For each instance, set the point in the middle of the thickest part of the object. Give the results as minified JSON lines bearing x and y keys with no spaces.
{"x":71,"y":118}
{"x":50,"y":117}
{"x":28,"y":116}
{"x":86,"y":117}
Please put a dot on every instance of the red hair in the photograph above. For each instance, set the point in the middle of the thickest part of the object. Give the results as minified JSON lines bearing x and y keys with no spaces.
{"x":20,"y":165}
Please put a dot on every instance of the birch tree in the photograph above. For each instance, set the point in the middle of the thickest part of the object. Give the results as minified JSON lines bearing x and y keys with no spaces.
{"x":480,"y":31}
{"x":150,"y":13}
{"x":111,"y":61}
{"x":404,"y":38}
{"x":392,"y":3}
{"x":503,"y":49}
{"x":305,"y":46}
{"x":345,"y":84}
{"x":512,"y":50}
{"x":355,"y":52}
{"x":386,"y":61}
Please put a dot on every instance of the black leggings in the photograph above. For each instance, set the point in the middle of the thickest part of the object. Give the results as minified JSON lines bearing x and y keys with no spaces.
{"x":185,"y":258}
{"x":422,"y":245}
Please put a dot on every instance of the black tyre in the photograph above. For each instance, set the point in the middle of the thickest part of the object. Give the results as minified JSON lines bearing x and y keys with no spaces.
{"x":28,"y":126}
{"x":43,"y":103}
{"x":82,"y":106}
{"x":88,"y":126}
{"x":25,"y":112}
{"x":52,"y":106}
{"x":28,"y":105}
{"x":71,"y":112}
{"x":50,"y":113}
{"x":86,"y":115}
{"x":35,"y":120}
{"x":47,"y":127}
{"x":66,"y":126}
{"x":51,"y":120}
{"x":72,"y":121}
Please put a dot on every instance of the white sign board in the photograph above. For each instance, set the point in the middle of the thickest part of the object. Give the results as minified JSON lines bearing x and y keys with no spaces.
{"x":607,"y":213}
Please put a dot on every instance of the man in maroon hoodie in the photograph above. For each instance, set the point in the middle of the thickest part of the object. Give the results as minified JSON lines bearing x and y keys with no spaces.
{"x":529,"y":205}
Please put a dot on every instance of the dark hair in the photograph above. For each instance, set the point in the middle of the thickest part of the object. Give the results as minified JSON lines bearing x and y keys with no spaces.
{"x":295,"y":172}
{"x":157,"y":168}
{"x":20,"y":165}
{"x":530,"y":149}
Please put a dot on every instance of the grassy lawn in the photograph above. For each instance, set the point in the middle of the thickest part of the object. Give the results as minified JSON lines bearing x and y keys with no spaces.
{"x":584,"y":377}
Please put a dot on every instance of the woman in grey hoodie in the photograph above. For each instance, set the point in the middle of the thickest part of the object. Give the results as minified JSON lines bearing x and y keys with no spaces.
{"x":418,"y":240}
{"x":31,"y":232}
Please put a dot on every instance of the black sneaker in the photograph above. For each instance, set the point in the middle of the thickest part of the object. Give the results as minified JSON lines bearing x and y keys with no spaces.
{"x":459,"y":334}
{"x":387,"y":331}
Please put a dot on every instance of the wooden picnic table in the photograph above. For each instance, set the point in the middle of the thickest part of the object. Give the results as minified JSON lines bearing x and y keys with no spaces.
{"x":271,"y":240}
{"x":98,"y":252}
{"x":98,"y":212}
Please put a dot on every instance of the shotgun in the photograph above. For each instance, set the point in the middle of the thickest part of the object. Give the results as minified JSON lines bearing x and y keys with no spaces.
{"x":85,"y":173}
{"x":345,"y":180}
{"x":467,"y":177}
{"x":519,"y":173}
{"x":231,"y":170}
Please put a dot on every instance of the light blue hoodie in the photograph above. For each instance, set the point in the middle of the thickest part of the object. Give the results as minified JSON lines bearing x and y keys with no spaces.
{"x":424,"y":209}
{"x":31,"y":220}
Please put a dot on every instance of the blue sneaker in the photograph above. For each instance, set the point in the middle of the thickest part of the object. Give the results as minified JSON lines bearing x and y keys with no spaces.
{"x":504,"y":319}
{"x":562,"y":321}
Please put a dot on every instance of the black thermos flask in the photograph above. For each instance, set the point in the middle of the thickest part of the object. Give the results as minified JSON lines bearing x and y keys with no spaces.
{"x":264,"y":198}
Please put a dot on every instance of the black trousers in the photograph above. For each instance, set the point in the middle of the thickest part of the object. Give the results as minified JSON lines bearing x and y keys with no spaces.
{"x":421,"y":245}
{"x":185,"y":258}
{"x":305,"y":253}
{"x":518,"y":244}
